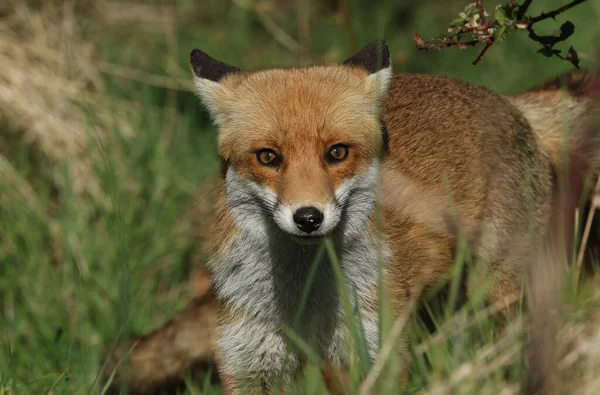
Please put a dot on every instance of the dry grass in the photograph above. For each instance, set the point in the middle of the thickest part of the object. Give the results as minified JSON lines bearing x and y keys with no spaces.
{"x":50,"y":87}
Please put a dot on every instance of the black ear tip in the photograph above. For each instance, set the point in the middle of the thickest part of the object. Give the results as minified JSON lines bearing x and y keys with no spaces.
{"x":373,"y":57}
{"x":381,"y":48}
{"x":204,"y":66}
{"x":197,"y":56}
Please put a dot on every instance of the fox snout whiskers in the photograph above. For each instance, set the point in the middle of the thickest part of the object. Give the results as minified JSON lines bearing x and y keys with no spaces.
{"x":262,"y":211}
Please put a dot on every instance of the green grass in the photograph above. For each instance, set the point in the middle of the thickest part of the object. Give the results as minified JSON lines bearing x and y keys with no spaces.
{"x":75,"y":275}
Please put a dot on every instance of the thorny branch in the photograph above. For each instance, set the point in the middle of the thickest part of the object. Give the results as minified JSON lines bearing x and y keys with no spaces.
{"x":557,"y":11}
{"x":522,"y":9}
{"x":475,"y":25}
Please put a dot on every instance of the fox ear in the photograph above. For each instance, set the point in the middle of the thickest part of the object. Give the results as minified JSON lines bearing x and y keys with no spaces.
{"x":375,"y":59}
{"x":208,"y":73}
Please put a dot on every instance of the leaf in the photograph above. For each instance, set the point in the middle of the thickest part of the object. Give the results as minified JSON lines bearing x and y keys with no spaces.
{"x":500,"y":34}
{"x":566,"y":30}
{"x":457,"y":22}
{"x":549,"y":52}
{"x":572,"y":57}
{"x":418,"y":40}
{"x":511,"y":10}
{"x":521,"y":25}
{"x":500,"y":15}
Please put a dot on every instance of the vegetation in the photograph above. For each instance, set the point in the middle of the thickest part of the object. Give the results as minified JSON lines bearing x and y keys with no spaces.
{"x":106,"y":160}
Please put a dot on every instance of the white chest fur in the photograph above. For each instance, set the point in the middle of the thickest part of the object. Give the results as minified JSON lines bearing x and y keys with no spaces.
{"x":264,"y":280}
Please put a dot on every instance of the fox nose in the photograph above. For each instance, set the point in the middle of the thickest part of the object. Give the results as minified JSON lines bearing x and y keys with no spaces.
{"x":308,"y":219}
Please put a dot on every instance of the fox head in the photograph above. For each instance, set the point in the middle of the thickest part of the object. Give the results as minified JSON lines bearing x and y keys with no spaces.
{"x":301,"y":146}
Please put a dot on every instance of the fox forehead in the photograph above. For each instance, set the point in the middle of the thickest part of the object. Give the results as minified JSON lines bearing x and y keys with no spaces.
{"x":316,"y":105}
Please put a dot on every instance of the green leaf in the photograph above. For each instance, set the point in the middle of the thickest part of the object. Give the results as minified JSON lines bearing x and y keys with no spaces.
{"x":500,"y":34}
{"x":500,"y":15}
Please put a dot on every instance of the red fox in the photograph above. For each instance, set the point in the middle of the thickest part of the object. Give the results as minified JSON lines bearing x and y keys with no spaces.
{"x":393,"y":170}
{"x":308,"y":153}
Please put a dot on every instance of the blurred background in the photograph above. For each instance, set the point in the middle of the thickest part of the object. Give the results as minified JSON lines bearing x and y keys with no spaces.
{"x":107,"y":160}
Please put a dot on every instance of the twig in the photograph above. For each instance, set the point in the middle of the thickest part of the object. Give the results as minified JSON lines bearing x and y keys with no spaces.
{"x":488,"y":44}
{"x":575,"y":230}
{"x":523,"y":9}
{"x":445,"y":43}
{"x":481,"y":11}
{"x":554,"y":13}
{"x":588,"y":227}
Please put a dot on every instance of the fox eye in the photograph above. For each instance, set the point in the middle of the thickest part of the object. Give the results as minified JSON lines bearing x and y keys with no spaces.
{"x":337,"y":153}
{"x":268,"y":157}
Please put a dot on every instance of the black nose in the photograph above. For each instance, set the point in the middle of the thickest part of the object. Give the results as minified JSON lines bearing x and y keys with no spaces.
{"x":308,"y":219}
